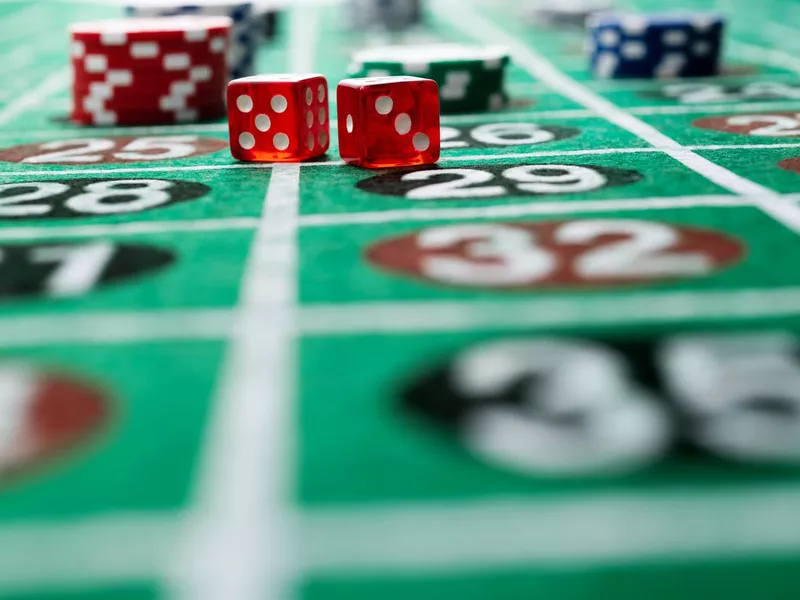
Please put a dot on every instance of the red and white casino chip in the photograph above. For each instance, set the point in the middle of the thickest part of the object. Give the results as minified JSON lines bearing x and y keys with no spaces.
{"x":143,"y":71}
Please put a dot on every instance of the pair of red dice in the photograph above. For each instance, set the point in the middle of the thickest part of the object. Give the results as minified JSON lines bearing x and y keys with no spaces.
{"x":382,"y":121}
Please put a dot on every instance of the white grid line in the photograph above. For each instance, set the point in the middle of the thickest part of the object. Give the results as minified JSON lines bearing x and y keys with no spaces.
{"x":682,"y":151}
{"x":534,"y":206}
{"x":240,"y":545}
{"x":544,"y":310}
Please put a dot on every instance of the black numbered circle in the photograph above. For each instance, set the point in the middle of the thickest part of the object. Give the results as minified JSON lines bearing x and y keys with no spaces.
{"x":503,"y":135}
{"x":81,"y":198}
{"x":74,"y":269}
{"x":485,"y":183}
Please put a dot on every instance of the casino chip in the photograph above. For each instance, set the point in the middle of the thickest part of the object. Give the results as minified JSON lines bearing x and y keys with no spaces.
{"x":391,"y":15}
{"x":149,"y":71}
{"x":655,"y":45}
{"x":470,"y":78}
{"x":567,"y":13}
{"x":245,"y":33}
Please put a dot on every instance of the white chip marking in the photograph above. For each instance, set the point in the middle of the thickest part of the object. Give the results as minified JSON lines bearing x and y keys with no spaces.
{"x":421,"y":142}
{"x":217,"y":45}
{"x":182,"y":88}
{"x":322,"y":116}
{"x":384,"y":105}
{"x":247,"y":141}
{"x":701,"y":48}
{"x":670,"y":65}
{"x":634,"y":24}
{"x":606,"y":65}
{"x":455,"y":85}
{"x":201,"y":73}
{"x":497,"y":101}
{"x":113,"y":38}
{"x":263,"y":122}
{"x":280,"y":141}
{"x":119,"y":77}
{"x":418,"y":68}
{"x":349,"y":123}
{"x":633,"y":50}
{"x":309,"y":96}
{"x":310,"y":142}
{"x":95,"y":63}
{"x":77,"y":49}
{"x":702,"y":23}
{"x":402,"y":124}
{"x":279,"y":103}
{"x":195,"y":35}
{"x":321,"y":93}
{"x":244,"y":103}
{"x":144,"y":50}
{"x":177,"y":61}
{"x":169,"y":103}
{"x":675,"y":37}
{"x":608,"y":38}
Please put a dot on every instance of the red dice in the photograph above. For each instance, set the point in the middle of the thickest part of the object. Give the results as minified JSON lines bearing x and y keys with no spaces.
{"x":278,"y":117}
{"x":388,"y":121}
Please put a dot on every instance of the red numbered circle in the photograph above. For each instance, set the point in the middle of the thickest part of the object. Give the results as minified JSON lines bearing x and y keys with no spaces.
{"x":580,"y":253}
{"x":102,"y":150}
{"x":791,"y":164}
{"x":45,"y":415}
{"x":779,"y":124}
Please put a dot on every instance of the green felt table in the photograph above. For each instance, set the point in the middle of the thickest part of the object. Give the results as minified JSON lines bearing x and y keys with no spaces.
{"x":220,"y":357}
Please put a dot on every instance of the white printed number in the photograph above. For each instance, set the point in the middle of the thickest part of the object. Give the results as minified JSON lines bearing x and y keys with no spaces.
{"x":598,"y":422}
{"x":503,"y":255}
{"x":768,"y":125}
{"x":28,"y":199}
{"x":496,"y":134}
{"x":738,"y":396}
{"x":525,"y":179}
{"x":95,"y":150}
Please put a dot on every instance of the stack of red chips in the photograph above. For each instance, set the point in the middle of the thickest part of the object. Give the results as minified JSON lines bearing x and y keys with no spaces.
{"x":149,"y":71}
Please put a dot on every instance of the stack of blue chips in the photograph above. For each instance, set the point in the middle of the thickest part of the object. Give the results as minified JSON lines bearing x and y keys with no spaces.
{"x":245,"y":35}
{"x":655,"y":45}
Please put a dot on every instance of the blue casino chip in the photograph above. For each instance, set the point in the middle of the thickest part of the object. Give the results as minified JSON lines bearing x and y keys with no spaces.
{"x":655,"y":45}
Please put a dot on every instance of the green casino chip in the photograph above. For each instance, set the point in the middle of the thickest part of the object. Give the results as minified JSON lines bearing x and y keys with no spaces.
{"x":470,"y":78}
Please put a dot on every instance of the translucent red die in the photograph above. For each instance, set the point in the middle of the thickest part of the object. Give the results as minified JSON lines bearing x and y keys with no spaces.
{"x":278,"y":117}
{"x":388,"y":121}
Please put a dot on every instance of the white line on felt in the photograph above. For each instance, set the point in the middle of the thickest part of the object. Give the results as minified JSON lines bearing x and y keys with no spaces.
{"x":101,"y":328}
{"x":568,"y":531}
{"x":128,"y":228}
{"x":50,"y":85}
{"x":239,"y":516}
{"x":682,"y":150}
{"x":94,"y":551}
{"x":474,"y":25}
{"x":557,"y":311}
{"x":535,"y":207}
{"x":240,"y":542}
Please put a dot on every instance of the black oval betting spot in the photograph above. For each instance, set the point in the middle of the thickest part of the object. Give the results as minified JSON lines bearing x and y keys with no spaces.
{"x":392,"y":183}
{"x":177,"y":190}
{"x":33,"y":269}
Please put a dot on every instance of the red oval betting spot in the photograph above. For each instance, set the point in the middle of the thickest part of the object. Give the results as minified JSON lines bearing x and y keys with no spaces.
{"x":44,"y":415}
{"x":582,"y":253}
